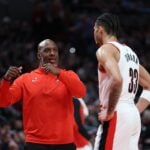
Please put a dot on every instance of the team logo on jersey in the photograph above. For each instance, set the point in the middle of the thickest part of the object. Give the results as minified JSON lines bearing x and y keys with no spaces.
{"x":34,"y":79}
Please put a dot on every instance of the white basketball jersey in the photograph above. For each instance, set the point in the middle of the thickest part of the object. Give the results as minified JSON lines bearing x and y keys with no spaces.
{"x":129,"y":69}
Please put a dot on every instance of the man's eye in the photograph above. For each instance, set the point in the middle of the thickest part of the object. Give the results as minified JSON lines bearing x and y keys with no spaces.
{"x":46,"y":50}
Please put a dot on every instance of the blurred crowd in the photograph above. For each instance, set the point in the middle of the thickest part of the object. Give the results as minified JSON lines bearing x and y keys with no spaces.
{"x":70,"y":24}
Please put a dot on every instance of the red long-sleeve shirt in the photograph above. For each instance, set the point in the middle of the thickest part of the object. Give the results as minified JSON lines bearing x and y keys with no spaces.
{"x":47,"y":104}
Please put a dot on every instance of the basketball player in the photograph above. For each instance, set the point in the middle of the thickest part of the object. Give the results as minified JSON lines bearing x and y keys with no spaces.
{"x":119,"y":74}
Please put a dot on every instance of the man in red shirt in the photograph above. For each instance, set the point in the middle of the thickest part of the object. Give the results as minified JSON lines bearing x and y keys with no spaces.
{"x":47,"y":94}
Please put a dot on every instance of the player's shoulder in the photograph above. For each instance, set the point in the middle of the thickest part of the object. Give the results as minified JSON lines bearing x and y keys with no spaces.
{"x":106,"y":49}
{"x":101,"y":48}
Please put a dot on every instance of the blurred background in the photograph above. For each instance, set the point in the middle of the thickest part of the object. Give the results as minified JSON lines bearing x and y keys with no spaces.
{"x":24,"y":23}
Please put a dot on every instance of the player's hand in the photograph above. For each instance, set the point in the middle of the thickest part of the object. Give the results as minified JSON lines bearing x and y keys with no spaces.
{"x":104,"y":116}
{"x":48,"y":67}
{"x":12,"y":73}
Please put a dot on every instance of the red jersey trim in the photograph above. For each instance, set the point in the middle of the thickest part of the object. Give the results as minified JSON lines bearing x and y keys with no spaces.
{"x":111,"y":133}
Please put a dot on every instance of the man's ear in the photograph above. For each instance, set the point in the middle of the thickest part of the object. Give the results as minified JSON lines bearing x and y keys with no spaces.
{"x":100,"y":29}
{"x":38,"y":55}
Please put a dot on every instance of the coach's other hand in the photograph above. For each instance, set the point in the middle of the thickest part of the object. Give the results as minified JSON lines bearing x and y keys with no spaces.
{"x":12,"y":73}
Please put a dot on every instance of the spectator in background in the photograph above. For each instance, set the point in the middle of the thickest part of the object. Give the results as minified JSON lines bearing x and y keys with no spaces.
{"x":82,"y":137}
{"x":46,"y":93}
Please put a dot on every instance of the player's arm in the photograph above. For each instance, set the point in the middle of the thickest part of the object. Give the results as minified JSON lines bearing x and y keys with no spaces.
{"x":144,"y":81}
{"x":144,"y":78}
{"x":108,"y":57}
{"x":142,"y":104}
{"x":85,"y":107}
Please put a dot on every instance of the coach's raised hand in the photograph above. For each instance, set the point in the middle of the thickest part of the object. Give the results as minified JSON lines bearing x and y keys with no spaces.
{"x":48,"y":67}
{"x":12,"y":73}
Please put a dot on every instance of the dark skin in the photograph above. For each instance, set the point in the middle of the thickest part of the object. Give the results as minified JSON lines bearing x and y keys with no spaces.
{"x":48,"y":56}
{"x":48,"y":60}
{"x":12,"y":73}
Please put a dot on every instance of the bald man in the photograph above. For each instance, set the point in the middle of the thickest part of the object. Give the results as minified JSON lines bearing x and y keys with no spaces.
{"x":47,"y":94}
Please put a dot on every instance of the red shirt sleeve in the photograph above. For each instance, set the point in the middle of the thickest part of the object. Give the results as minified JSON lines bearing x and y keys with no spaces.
{"x":10,"y":93}
{"x":73,"y":83}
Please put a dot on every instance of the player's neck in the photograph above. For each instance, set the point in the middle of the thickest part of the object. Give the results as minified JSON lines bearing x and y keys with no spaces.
{"x":109,"y":39}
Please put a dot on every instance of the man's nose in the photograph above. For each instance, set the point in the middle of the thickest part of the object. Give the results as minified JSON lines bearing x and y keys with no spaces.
{"x":52,"y":52}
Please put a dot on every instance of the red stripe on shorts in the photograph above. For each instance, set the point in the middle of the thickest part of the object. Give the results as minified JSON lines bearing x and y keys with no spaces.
{"x":111,"y":133}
